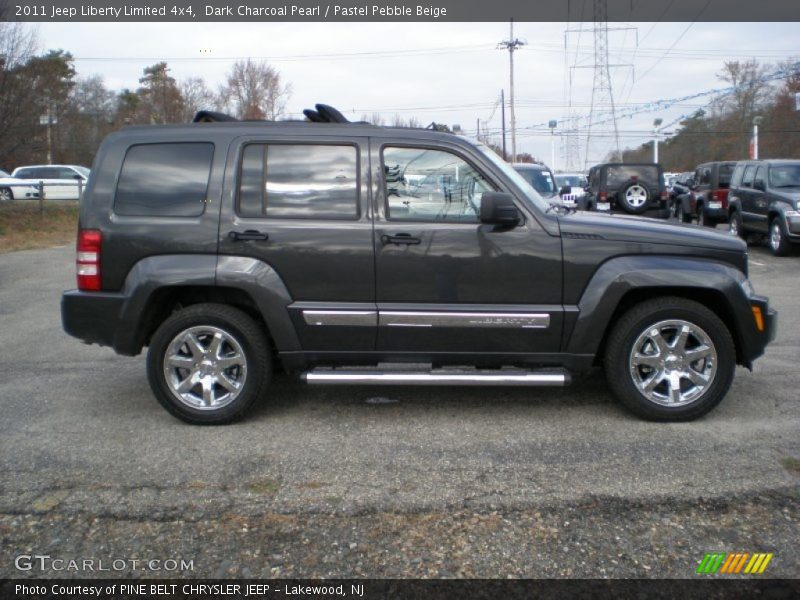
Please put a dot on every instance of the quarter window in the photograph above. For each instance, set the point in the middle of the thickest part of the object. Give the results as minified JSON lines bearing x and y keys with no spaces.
{"x":431,"y":185}
{"x":299,"y":181}
{"x":165,"y":180}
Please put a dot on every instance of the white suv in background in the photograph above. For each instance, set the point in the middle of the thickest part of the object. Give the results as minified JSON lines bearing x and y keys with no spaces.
{"x":61,"y":182}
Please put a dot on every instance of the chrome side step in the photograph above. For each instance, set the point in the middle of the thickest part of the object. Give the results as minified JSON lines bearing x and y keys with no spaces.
{"x":518,"y":377}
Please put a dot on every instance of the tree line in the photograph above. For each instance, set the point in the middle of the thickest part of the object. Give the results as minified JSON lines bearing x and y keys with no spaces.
{"x":35,"y":88}
{"x":724,"y":130}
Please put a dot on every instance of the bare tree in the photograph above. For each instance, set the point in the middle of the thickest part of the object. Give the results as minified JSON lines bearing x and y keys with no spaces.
{"x":254,"y":90}
{"x":196,"y":96}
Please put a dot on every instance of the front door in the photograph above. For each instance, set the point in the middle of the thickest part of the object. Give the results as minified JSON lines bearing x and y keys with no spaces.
{"x":445,"y":282}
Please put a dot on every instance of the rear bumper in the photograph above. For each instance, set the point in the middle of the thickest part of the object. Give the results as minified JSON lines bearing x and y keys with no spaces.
{"x":717,"y":214}
{"x":94,"y":318}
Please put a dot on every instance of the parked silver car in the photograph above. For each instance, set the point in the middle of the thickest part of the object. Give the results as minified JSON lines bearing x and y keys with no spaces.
{"x":61,"y":182}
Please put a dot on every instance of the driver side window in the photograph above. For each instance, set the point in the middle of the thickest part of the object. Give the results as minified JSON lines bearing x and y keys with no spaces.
{"x":431,"y":185}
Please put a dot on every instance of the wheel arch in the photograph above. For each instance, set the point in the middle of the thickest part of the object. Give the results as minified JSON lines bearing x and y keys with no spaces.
{"x":623,"y":282}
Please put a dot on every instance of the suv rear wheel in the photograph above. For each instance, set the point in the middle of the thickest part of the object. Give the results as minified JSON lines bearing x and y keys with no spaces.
{"x":735,"y":225}
{"x":208,"y":364}
{"x":670,"y":359}
{"x":634,"y":198}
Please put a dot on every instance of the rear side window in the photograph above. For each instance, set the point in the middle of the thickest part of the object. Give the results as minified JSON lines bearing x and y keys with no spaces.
{"x":300,"y":181}
{"x":164,"y":180}
{"x":705,"y":176}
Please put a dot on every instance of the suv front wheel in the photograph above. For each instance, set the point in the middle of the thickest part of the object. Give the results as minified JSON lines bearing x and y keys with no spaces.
{"x":670,"y":359}
{"x":778,"y":242}
{"x":208,"y":363}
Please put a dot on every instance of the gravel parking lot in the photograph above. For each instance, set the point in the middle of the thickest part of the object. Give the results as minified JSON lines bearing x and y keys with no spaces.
{"x":385,"y":482}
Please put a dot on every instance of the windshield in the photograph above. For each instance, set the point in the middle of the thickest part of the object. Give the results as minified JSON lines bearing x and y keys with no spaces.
{"x":784,"y":176}
{"x":83,"y":171}
{"x":531,"y":194}
{"x":540,"y":179}
{"x":4,"y":174}
{"x":571,"y":180}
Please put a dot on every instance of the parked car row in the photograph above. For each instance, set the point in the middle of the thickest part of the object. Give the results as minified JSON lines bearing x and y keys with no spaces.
{"x":60,"y":182}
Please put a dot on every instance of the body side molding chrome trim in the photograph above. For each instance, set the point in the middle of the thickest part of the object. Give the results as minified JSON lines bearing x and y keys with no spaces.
{"x":350,"y":318}
{"x":463,"y":319}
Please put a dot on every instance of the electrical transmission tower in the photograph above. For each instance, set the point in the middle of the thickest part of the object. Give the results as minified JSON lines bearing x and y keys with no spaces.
{"x":602,"y":100}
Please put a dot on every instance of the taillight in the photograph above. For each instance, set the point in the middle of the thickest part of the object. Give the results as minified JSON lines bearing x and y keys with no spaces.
{"x":715,"y":196}
{"x":664,"y":195}
{"x":87,"y":262}
{"x":603,"y":196}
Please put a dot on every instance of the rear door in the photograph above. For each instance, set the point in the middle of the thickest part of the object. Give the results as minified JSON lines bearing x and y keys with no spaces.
{"x":760,"y":200}
{"x":445,"y":282}
{"x":746,"y":197}
{"x":302,"y":208}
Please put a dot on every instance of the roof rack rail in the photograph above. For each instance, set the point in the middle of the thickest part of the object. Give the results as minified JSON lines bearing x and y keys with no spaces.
{"x":321,"y":113}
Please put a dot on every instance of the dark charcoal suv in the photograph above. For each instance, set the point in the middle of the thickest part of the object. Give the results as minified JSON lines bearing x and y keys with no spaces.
{"x":765,"y":199}
{"x":632,"y":188}
{"x":354,"y":254}
{"x":707,"y":197}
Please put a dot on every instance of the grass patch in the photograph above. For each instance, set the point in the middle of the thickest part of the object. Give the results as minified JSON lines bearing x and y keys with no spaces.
{"x":265,"y":486}
{"x":791,"y":464}
{"x":23,"y":226}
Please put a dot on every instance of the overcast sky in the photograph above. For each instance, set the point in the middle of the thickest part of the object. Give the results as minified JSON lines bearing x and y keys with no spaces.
{"x":445,"y":72}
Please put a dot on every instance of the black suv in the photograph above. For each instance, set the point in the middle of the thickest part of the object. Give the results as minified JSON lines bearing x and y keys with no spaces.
{"x":707,"y":198}
{"x":764,"y":199}
{"x":354,"y":254}
{"x":633,"y":188}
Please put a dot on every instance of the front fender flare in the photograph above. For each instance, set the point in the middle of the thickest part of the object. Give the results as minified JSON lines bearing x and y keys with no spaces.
{"x":619,"y":276}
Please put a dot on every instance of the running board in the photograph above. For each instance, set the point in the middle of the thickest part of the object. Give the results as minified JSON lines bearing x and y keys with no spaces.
{"x":518,"y":377}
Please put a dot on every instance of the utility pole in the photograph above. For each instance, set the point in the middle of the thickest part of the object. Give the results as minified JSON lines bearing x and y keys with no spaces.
{"x":511,"y":45}
{"x":503,"y":119}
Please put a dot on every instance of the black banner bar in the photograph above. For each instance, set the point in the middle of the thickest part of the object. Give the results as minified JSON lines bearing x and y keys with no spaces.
{"x":371,"y":589}
{"x":396,"y":10}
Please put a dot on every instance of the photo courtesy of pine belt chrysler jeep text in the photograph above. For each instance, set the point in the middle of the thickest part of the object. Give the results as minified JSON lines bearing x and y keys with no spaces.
{"x":354,"y":254}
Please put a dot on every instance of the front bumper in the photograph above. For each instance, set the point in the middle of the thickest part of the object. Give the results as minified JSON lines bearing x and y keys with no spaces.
{"x":754,"y":338}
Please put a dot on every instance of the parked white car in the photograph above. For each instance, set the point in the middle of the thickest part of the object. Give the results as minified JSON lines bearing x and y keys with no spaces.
{"x":61,"y":182}
{"x":576,"y":182}
{"x":12,"y":188}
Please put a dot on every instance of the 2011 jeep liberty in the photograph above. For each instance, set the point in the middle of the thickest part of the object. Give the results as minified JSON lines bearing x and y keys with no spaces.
{"x":355,"y":254}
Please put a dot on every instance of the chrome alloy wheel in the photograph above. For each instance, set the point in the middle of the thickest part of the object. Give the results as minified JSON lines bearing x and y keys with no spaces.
{"x":673,"y":363}
{"x":205,"y":367}
{"x":636,"y":196}
{"x":775,"y":236}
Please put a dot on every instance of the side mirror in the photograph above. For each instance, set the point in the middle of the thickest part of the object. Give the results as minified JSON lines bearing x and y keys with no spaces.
{"x":759,"y":185}
{"x":567,"y":189}
{"x":498,"y":208}
{"x":77,"y":177}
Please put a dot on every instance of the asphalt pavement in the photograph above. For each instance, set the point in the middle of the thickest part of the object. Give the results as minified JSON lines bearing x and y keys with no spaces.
{"x":91,"y":464}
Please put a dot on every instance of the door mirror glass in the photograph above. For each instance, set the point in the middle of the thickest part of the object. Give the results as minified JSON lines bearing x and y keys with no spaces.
{"x":498,"y":208}
{"x":759,"y":185}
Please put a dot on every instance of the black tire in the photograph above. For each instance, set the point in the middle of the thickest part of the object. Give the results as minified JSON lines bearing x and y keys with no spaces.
{"x":703,"y":219}
{"x":681,"y":214}
{"x":254,"y":372}
{"x":640,"y":321}
{"x":639,"y":193}
{"x":777,"y":239}
{"x":6,"y":195}
{"x":735,"y":225}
